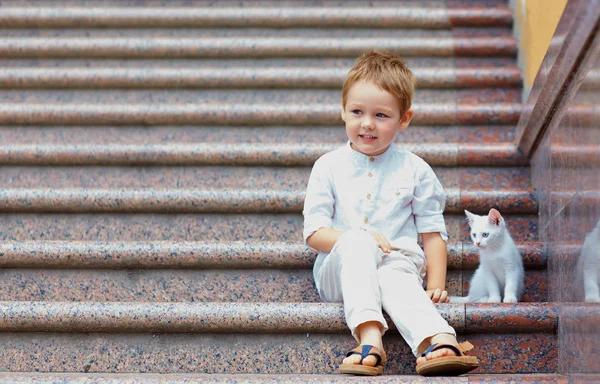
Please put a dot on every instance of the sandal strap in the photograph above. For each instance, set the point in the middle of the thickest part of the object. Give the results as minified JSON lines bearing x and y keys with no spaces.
{"x":365,"y":351}
{"x":435,"y":347}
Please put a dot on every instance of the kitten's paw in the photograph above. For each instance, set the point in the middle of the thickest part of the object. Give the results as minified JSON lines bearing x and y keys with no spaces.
{"x":592,"y":299}
{"x":510,"y":299}
{"x":494,"y":299}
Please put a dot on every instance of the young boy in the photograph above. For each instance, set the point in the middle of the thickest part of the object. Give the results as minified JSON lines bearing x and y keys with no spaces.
{"x":366,"y":204}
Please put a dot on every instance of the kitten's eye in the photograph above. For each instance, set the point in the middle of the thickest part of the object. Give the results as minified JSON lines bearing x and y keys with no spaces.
{"x":485,"y":234}
{"x":474,"y":234}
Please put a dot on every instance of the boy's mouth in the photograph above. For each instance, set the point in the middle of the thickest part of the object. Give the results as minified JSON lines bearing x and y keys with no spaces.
{"x":367,"y":138}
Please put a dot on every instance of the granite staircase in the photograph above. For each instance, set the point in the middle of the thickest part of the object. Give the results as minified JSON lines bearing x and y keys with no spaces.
{"x":153,"y":161}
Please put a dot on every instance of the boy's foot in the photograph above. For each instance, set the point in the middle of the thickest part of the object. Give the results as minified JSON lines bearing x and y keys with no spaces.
{"x":368,"y":361}
{"x":442,"y":338}
{"x":356,"y":362}
{"x":445,"y":357}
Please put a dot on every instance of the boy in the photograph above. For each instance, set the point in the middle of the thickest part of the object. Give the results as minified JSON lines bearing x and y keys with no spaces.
{"x":366,"y":203}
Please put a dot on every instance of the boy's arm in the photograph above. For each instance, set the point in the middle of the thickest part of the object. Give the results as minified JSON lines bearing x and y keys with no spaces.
{"x":324,"y":239}
{"x":435,"y":253}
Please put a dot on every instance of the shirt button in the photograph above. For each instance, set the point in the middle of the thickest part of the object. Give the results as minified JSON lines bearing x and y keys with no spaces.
{"x":371,"y":159}
{"x":366,"y":219}
{"x":370,"y":174}
{"x":368,"y":196}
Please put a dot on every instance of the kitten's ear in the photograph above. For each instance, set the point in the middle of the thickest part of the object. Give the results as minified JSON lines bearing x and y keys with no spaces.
{"x":495,"y":217}
{"x":470,"y":217}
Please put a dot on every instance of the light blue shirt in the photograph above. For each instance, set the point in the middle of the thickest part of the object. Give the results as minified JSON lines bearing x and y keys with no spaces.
{"x":395,"y":193}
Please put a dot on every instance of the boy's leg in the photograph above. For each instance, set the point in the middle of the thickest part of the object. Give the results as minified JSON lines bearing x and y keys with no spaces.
{"x":349,"y":275}
{"x":409,"y":307}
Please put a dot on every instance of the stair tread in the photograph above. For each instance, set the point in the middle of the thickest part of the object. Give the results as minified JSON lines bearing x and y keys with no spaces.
{"x":205,"y":254}
{"x":417,"y":64}
{"x":294,"y":36}
{"x":149,"y":378}
{"x":122,"y":76}
{"x":73,"y":317}
{"x":170,"y":135}
{"x":193,"y":46}
{"x":230,"y":99}
{"x":213,"y":200}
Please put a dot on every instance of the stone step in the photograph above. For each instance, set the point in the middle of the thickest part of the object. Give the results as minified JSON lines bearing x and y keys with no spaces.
{"x":432,"y":4}
{"x":238,"y":77}
{"x":308,"y":353}
{"x":197,"y":272}
{"x":217,"y":177}
{"x":99,"y":255}
{"x":186,"y":201}
{"x":201,"y":44}
{"x":106,"y":113}
{"x":248,"y":338}
{"x":252,"y":318}
{"x":281,"y":16}
{"x":199,"y":227}
{"x":263,"y":34}
{"x":201,"y":285}
{"x":245,"y":98}
{"x":149,"y":378}
{"x":460,"y":64}
{"x":240,"y":153}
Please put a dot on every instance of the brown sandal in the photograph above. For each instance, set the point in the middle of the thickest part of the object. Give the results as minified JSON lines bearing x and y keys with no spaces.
{"x":365,"y":370}
{"x":448,"y":365}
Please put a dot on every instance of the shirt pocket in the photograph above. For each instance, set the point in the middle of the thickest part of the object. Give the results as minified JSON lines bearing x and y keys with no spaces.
{"x":396,"y":196}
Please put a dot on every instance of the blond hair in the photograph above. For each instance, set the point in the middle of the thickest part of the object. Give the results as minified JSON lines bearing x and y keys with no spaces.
{"x":388,"y":71}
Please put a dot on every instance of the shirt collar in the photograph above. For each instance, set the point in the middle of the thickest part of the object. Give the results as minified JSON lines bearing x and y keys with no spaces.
{"x":362,"y":159}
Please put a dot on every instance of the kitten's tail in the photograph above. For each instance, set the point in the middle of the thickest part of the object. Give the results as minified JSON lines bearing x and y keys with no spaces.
{"x":459,"y":299}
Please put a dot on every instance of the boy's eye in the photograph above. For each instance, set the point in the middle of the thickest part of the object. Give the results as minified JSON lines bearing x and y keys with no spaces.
{"x":356,"y":111}
{"x":381,"y":115}
{"x":485,"y":234}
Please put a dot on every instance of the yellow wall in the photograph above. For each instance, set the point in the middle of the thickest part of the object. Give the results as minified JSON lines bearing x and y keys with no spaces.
{"x":535,"y":22}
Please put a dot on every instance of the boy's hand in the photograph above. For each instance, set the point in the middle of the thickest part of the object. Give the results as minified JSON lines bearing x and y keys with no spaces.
{"x":438,"y":295}
{"x":383,"y":243}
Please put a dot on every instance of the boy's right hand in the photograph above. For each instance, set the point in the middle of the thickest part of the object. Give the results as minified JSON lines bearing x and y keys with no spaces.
{"x":382,"y":241}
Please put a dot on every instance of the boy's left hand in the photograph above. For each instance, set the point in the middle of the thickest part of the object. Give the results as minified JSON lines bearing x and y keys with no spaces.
{"x":438,"y":295}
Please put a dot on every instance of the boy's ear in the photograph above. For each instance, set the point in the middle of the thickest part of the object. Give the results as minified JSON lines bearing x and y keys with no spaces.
{"x":405,"y":120}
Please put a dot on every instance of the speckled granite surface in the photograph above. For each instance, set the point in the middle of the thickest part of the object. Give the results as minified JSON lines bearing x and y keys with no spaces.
{"x":186,"y":133}
{"x":91,"y":378}
{"x":265,"y":354}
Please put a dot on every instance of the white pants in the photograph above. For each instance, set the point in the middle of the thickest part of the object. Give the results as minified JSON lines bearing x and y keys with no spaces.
{"x":365,"y":279}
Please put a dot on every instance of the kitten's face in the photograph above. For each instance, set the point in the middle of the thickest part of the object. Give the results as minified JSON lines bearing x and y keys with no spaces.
{"x":486,"y":230}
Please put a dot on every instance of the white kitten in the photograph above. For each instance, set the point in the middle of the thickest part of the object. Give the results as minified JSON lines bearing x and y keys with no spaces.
{"x":500,"y":274}
{"x":590,"y":265}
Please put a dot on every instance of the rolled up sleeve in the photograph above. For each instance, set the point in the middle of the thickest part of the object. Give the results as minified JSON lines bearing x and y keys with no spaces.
{"x":429,"y":202}
{"x":319,"y":201}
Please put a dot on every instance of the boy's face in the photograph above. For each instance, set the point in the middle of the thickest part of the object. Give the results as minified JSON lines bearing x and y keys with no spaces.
{"x":372,"y":117}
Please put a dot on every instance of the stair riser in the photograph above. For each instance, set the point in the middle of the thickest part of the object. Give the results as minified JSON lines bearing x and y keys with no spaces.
{"x":265,"y":354}
{"x":235,"y":78}
{"x":194,"y":286}
{"x":249,"y":227}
